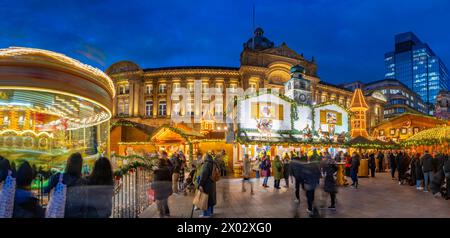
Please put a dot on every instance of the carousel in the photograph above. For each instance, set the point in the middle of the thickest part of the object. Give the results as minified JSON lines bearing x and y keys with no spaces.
{"x":51,"y":106}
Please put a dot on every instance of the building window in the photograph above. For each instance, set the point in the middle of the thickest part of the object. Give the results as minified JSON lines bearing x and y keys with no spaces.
{"x":219,"y":87}
{"x":190,"y":109}
{"x":205,"y":87}
{"x":233,"y":88}
{"x":218,"y":109}
{"x":149,"y":88}
{"x":124,"y":89}
{"x":404,"y":131}
{"x":162,"y":88}
{"x":190,"y":87}
{"x":162,"y":109}
{"x":392,"y":131}
{"x":122,"y":107}
{"x":176,"y":108}
{"x":149,"y":108}
{"x":381,"y":132}
{"x":176,"y":87}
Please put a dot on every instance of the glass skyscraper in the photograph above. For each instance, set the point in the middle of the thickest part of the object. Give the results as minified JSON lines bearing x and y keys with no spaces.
{"x":414,"y":64}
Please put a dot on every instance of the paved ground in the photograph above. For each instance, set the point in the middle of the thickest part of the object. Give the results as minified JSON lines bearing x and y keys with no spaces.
{"x":378,"y":197}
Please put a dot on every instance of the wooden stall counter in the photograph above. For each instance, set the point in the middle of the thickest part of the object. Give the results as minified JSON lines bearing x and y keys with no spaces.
{"x":340,"y":178}
{"x":363,"y":170}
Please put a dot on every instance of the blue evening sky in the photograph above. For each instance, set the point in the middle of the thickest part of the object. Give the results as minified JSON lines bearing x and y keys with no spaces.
{"x":348,"y":38}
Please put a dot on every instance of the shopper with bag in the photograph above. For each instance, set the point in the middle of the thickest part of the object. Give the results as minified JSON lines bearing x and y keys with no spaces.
{"x":257,"y":166}
{"x":162,"y":187}
{"x":265,"y":170}
{"x":207,"y":184}
{"x":100,"y":189}
{"x":74,"y":195}
{"x":26,"y":205}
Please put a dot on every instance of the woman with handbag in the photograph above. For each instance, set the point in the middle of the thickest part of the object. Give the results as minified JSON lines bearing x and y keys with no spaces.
{"x":265,"y":168}
{"x":75,"y":194}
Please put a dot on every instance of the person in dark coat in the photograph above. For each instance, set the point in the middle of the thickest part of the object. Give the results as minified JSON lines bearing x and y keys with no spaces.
{"x":265,"y":168}
{"x":76,"y":193}
{"x":372,"y":164}
{"x":412,"y":167}
{"x":207,"y":185}
{"x":380,"y":157}
{"x":286,"y":170}
{"x":438,"y":176}
{"x":100,"y":189}
{"x":418,"y":171}
{"x":392,"y":164}
{"x":311,"y":177}
{"x":399,"y":160}
{"x":446,"y":168}
{"x":426,"y":163}
{"x":26,"y":205}
{"x":296,"y":171}
{"x":162,"y":187}
{"x":330,"y":168}
{"x":354,"y":166}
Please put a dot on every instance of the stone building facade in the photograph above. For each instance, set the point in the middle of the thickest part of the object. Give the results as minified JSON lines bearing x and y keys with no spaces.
{"x":144,"y":95}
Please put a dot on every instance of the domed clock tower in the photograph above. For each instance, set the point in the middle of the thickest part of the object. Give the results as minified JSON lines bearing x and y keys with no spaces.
{"x":298,"y":88}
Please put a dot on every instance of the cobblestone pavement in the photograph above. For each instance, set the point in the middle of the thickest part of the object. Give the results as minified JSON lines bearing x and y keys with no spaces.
{"x":378,"y":197}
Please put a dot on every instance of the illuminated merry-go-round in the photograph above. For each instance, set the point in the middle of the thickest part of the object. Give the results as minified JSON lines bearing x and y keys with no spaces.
{"x":50,"y":106}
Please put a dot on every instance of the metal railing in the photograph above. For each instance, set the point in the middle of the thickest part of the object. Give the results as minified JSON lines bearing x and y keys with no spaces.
{"x":130,"y":197}
{"x":131,"y":194}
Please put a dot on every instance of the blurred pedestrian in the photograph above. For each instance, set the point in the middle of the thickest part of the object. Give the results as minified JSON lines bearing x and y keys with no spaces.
{"x":246,"y":165}
{"x":162,"y":187}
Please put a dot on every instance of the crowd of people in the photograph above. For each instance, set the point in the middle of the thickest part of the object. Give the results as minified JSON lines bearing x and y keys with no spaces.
{"x":303,"y":171}
{"x":89,"y":195}
{"x":85,"y":196}
{"x":428,"y":172}
{"x":169,"y":178}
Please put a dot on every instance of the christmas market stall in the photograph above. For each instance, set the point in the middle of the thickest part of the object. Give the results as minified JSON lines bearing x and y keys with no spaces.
{"x":51,"y":106}
{"x":275,"y":124}
{"x":435,"y":139}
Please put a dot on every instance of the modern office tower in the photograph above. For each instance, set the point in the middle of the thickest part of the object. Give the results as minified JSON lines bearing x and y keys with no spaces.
{"x":414,"y":64}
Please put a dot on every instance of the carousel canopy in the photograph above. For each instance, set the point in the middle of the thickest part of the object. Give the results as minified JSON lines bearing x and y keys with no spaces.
{"x":433,"y":136}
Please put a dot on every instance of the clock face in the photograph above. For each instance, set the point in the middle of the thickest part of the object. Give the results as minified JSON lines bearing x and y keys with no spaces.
{"x":302,"y":97}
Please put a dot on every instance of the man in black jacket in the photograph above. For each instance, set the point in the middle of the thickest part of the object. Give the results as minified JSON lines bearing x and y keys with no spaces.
{"x":296,"y":171}
{"x":380,"y":157}
{"x":372,"y":165}
{"x":354,"y":167}
{"x":392,"y":164}
{"x":427,"y":167}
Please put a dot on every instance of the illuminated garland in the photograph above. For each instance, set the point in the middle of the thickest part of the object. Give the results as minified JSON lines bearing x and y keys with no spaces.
{"x":130,"y":168}
{"x":144,"y":163}
{"x":433,"y":136}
